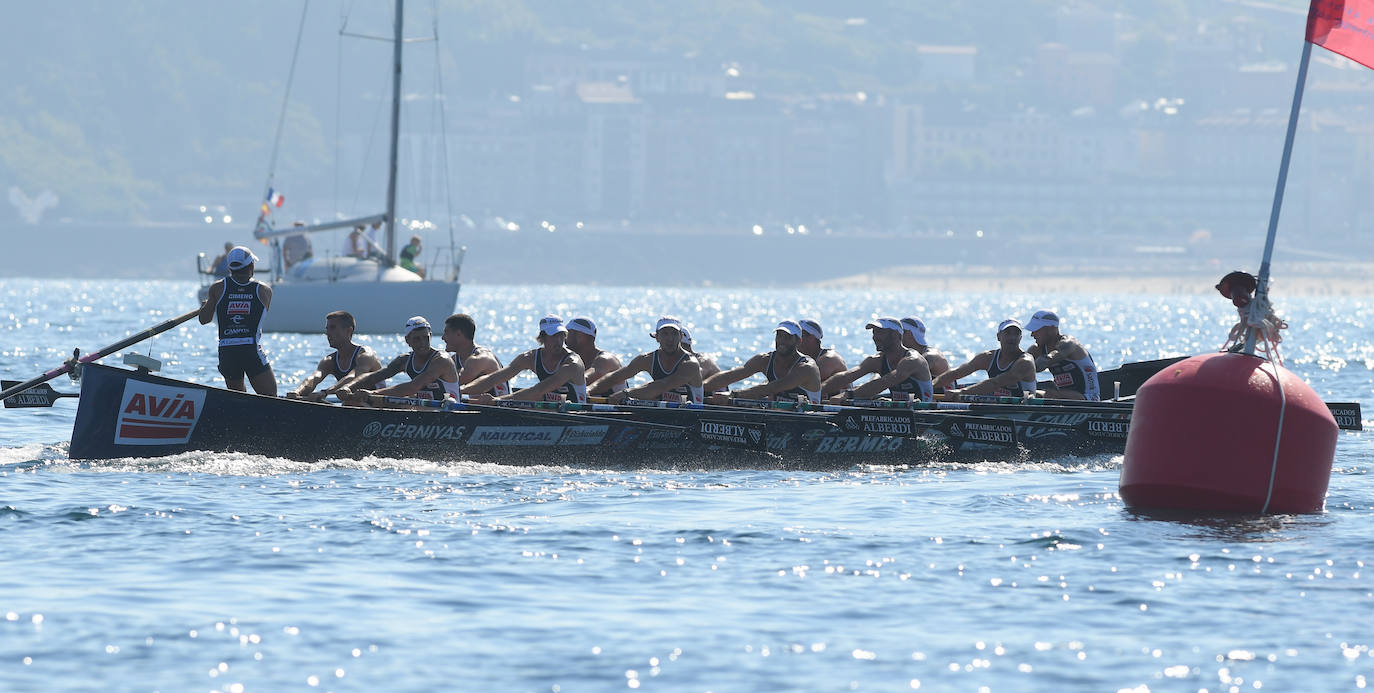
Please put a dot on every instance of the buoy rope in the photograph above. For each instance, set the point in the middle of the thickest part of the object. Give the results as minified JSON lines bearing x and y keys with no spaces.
{"x":1278,"y":436}
{"x":1268,"y":329}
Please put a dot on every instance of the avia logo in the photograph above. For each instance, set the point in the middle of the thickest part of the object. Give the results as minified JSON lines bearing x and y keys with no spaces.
{"x":157,"y":414}
{"x":239,"y":307}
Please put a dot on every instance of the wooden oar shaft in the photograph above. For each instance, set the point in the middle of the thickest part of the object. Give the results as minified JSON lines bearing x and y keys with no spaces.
{"x":97,"y":355}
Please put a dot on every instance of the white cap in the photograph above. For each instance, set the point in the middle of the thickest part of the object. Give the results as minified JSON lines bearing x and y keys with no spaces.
{"x":789,"y":327}
{"x":686,"y":336}
{"x":916,"y":328}
{"x":416,"y":323}
{"x":240,"y":257}
{"x":1042,"y":318}
{"x":583,"y":325}
{"x":668,"y":321}
{"x":811,"y":327}
{"x":884,"y":324}
{"x":1009,"y":322}
{"x":551,"y":324}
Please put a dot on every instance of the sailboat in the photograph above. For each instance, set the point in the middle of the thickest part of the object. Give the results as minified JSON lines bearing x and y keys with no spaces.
{"x":379,"y":292}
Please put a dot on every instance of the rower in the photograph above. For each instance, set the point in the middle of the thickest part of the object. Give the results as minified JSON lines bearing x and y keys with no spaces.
{"x":1073,"y":369}
{"x":472,"y":361}
{"x":348,"y":358}
{"x":790,"y":373}
{"x":598,"y":362}
{"x":671,"y":366}
{"x":708,"y":364}
{"x":828,"y":360}
{"x":1011,"y":371}
{"x":914,"y":337}
{"x":237,"y":304}
{"x":432,"y":373}
{"x":558,"y":368}
{"x":897,"y":369}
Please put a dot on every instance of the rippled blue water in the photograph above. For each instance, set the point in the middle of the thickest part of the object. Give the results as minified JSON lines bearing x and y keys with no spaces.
{"x":229,"y":572}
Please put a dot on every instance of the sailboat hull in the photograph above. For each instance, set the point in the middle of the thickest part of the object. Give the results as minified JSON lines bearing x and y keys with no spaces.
{"x":378,"y":307}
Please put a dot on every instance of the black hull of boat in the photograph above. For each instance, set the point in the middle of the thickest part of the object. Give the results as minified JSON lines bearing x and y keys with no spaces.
{"x":124,"y":414}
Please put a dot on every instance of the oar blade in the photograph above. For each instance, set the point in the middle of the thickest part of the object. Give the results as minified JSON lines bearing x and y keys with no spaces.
{"x":41,"y":395}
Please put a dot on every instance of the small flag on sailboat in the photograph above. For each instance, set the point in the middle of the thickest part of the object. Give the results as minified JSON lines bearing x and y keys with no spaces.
{"x":1345,"y":27}
{"x":275,"y":198}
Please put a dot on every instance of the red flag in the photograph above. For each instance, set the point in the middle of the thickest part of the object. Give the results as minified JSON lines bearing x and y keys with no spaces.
{"x":1343,"y":26}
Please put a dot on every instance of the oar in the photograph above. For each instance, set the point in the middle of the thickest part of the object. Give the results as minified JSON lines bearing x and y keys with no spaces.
{"x":74,"y":361}
{"x":40,"y":395}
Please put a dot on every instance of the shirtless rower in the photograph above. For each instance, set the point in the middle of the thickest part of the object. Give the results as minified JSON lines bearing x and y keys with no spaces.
{"x":670,"y":365}
{"x":558,"y":368}
{"x":472,"y":361}
{"x":828,"y":360}
{"x":914,"y":337}
{"x":432,"y":373}
{"x":897,"y":369}
{"x":237,"y":304}
{"x":789,"y":372}
{"x":1073,"y":369}
{"x":598,"y":362}
{"x":1011,"y":371}
{"x":348,"y":358}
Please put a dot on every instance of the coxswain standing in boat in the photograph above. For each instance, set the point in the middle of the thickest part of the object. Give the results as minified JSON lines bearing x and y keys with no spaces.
{"x":1011,"y":371}
{"x":471,"y":360}
{"x":789,"y":372}
{"x":598,"y":362}
{"x":237,"y":304}
{"x":671,"y":366}
{"x":1071,"y":366}
{"x":432,"y":373}
{"x":897,"y":369}
{"x":914,"y":337}
{"x":827,"y":360}
{"x":557,"y":367}
{"x":348,"y":358}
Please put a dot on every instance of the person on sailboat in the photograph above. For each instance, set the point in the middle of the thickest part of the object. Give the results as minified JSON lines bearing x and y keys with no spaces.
{"x":598,"y":362}
{"x":914,"y":338}
{"x":1011,"y":371}
{"x":789,"y":372}
{"x":348,"y":358}
{"x":827,"y":359}
{"x":558,"y":368}
{"x":901,"y":371}
{"x":357,"y":243}
{"x":219,"y":267}
{"x":432,"y":373}
{"x":472,"y":361}
{"x":296,"y":248}
{"x":409,"y":254}
{"x":1075,"y":373}
{"x":685,"y":370}
{"x":237,"y":304}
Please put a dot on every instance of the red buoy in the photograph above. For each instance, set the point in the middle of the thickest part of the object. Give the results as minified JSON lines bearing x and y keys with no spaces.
{"x":1206,"y":435}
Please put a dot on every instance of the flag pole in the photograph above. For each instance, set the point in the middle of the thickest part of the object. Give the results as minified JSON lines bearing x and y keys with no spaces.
{"x":1259,"y":306}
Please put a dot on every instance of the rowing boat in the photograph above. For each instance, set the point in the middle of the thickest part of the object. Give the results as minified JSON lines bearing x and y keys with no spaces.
{"x":133,"y":413}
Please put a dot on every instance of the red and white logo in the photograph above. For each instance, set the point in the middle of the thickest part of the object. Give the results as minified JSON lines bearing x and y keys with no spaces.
{"x":240,"y":307}
{"x":157,"y":414}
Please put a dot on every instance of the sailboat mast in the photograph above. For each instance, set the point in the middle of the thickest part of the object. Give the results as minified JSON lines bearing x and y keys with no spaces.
{"x":395,"y":137}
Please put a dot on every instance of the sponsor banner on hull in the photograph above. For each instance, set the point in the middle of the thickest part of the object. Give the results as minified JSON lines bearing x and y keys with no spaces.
{"x":516,"y":435}
{"x":841,"y":445}
{"x":152,"y":414}
{"x":986,"y":431}
{"x":735,"y":433}
{"x":1347,"y":415}
{"x":401,"y":431}
{"x":879,"y":423}
{"x":583,"y":435}
{"x":1110,"y":429}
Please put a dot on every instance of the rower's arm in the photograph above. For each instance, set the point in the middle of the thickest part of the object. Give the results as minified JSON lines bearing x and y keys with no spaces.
{"x":365,"y":362}
{"x":362,"y":381}
{"x":439,"y":365}
{"x":476,"y":367}
{"x":843,"y":379}
{"x":688,"y":373}
{"x":570,"y":372}
{"x":604,"y":364}
{"x":977,"y":363}
{"x":913,"y":366}
{"x":207,"y":309}
{"x":265,"y":295}
{"x":522,"y":362}
{"x":638,"y":364}
{"x":309,"y":384}
{"x":1022,"y":370}
{"x":724,"y":379}
{"x":805,"y":376}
